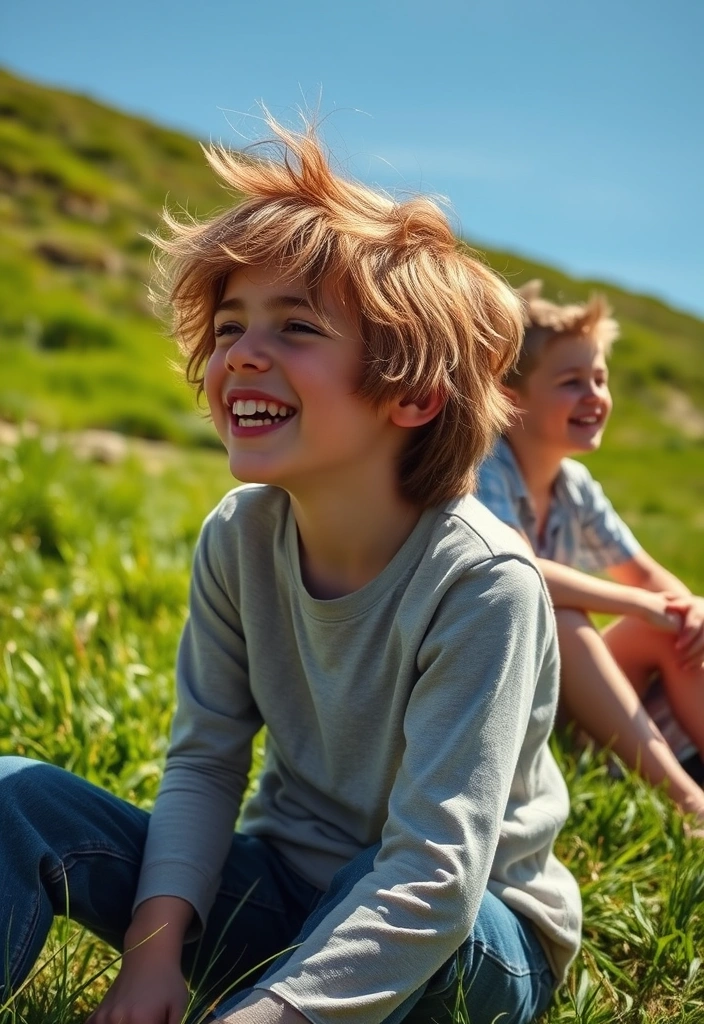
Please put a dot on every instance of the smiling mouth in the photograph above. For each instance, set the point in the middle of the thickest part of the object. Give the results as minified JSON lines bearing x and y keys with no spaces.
{"x":250,"y":412}
{"x":587,"y":421}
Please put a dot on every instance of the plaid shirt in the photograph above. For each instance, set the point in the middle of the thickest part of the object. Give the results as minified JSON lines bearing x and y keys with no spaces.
{"x":582,"y":528}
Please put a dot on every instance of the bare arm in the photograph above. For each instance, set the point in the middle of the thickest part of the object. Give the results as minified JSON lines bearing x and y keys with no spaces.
{"x":570,"y":588}
{"x":643,"y":571}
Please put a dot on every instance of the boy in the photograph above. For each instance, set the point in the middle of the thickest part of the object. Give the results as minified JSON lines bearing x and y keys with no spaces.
{"x":388,"y":631}
{"x":559,"y":390}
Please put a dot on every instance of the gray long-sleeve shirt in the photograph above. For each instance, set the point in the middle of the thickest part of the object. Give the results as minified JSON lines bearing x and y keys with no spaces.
{"x":415,"y":710}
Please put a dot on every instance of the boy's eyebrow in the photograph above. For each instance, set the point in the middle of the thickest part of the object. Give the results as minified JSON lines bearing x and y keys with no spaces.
{"x":276,"y":302}
{"x":575,"y":369}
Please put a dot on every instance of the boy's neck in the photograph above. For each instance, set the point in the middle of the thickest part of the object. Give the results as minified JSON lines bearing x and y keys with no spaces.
{"x":539,"y":465}
{"x":346,"y":539}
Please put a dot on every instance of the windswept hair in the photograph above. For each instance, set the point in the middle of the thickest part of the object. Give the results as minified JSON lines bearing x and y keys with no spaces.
{"x":546,"y":322}
{"x":433,"y":318}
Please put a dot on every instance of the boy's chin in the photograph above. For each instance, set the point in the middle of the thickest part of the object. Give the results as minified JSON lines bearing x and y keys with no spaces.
{"x":252,"y":471}
{"x":591,"y":444}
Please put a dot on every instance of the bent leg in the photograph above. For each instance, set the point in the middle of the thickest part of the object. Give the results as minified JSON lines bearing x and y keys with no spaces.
{"x":500,"y":973}
{"x":596,"y":694}
{"x":259,"y":909}
{"x":641,"y":650}
{"x":500,"y":970}
{"x":68,"y":848}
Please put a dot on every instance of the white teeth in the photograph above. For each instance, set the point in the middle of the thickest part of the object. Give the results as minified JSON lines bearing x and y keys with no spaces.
{"x":244,"y":409}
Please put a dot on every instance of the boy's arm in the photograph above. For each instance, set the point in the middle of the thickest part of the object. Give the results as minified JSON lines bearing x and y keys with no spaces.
{"x":570,"y":588}
{"x":643,"y":571}
{"x":209,"y":756}
{"x":265,"y":1009}
{"x":204,"y":779}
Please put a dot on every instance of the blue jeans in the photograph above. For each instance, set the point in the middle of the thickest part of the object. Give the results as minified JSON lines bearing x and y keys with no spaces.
{"x":68,"y":847}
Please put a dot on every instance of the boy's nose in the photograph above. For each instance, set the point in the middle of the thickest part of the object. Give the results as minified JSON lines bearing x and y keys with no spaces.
{"x":249,"y":352}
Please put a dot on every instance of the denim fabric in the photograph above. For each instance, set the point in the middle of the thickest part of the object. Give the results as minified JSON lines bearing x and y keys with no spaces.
{"x":68,"y":846}
{"x":503,"y":970}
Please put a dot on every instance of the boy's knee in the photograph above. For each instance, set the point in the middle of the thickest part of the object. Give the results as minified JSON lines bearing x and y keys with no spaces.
{"x":24,"y":781}
{"x":11,"y":765}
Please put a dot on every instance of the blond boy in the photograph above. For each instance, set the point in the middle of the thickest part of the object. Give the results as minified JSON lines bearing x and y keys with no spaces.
{"x":393,"y":637}
{"x":560,"y":393}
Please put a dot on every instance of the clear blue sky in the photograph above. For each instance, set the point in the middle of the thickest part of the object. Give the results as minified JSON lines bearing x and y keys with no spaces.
{"x":570,"y":131}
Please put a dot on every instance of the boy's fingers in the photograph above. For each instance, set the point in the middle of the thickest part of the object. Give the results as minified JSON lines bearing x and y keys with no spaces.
{"x":692,"y":627}
{"x":691,"y":651}
{"x":177,"y":1011}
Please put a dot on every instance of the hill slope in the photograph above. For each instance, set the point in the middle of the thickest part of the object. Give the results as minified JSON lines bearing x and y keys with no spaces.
{"x":81,"y":183}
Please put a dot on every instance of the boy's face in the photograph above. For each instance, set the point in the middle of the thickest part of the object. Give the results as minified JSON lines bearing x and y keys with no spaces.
{"x":564,"y":404}
{"x":281,"y":388}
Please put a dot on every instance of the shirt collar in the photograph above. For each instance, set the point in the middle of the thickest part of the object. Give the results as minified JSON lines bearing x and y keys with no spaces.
{"x":504,"y":453}
{"x":564,"y":486}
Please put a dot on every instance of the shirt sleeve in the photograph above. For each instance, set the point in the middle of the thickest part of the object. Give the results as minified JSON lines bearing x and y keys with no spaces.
{"x":494,"y":491}
{"x":209,"y":757}
{"x":465,"y":727}
{"x":604,"y":539}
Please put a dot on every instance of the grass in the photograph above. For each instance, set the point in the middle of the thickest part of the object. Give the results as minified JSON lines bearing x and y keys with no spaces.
{"x":93,"y":582}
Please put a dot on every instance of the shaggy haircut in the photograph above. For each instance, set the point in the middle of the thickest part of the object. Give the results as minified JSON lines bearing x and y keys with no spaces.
{"x":432,"y":317}
{"x":546,"y":322}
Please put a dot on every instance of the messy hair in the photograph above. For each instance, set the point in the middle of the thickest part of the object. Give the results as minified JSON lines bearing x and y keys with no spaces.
{"x":433,"y":318}
{"x":546,"y":322}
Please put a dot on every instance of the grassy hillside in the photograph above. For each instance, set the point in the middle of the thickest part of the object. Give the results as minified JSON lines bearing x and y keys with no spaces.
{"x":80,"y":184}
{"x":95,"y":558}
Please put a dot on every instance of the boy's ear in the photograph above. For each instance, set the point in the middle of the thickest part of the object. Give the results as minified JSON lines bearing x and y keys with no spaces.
{"x":407,"y":412}
{"x":513,"y":395}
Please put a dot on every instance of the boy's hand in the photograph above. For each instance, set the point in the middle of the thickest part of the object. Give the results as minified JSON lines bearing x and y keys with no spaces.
{"x":690,"y":643}
{"x":144,"y":992}
{"x":662,"y":610}
{"x":150,"y":988}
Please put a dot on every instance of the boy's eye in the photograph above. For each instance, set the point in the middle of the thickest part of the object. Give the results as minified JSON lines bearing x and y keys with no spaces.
{"x":301,"y":327}
{"x":227,"y":329}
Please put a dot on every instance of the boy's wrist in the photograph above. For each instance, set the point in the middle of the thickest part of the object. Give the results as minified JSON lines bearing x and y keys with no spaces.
{"x":158,"y":928}
{"x":638,"y":601}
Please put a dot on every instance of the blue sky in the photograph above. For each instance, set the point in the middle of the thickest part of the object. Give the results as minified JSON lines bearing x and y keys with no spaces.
{"x":569,"y":131}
